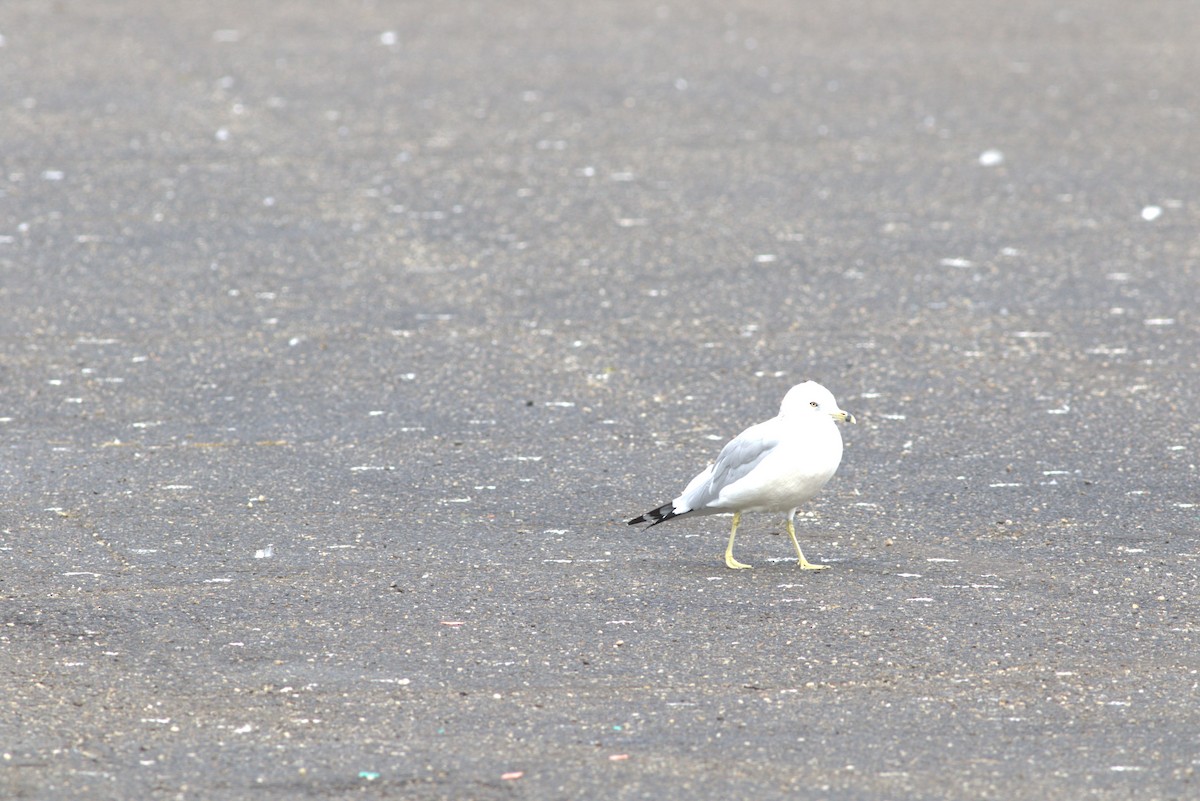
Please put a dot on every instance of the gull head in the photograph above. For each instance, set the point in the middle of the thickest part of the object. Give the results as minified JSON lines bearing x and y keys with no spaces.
{"x":811,"y":397}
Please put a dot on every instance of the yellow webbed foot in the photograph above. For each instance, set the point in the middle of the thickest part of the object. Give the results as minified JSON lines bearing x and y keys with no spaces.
{"x":804,"y":563}
{"x":730,"y":562}
{"x":734,"y":564}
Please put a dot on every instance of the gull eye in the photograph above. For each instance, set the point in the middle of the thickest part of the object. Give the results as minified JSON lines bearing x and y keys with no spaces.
{"x":813,"y":404}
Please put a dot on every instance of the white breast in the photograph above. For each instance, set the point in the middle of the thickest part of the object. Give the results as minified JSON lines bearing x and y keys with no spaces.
{"x":807,"y":456}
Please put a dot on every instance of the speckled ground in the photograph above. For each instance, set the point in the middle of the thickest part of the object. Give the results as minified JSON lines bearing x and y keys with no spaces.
{"x":339,"y":340}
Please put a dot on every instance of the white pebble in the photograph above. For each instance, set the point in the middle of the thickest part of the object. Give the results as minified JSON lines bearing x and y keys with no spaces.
{"x":991,"y":158}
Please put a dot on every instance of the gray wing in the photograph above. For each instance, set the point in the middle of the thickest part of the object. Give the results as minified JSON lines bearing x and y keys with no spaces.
{"x":737,"y":459}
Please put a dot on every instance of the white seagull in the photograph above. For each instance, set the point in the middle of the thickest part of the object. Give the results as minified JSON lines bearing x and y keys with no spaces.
{"x":774,"y":466}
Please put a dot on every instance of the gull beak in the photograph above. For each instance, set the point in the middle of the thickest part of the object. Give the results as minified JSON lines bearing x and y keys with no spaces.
{"x":843,"y":417}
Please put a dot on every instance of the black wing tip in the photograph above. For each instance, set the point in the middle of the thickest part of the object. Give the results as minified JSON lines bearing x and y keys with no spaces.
{"x":654,"y":516}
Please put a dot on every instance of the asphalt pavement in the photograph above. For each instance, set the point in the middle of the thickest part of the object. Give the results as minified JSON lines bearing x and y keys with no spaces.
{"x":339,"y":340}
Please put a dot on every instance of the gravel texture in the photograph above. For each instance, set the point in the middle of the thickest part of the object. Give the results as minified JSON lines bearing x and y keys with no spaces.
{"x":339,"y":340}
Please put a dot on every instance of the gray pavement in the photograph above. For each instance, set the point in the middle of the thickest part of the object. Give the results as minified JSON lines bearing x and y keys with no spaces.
{"x":339,"y":340}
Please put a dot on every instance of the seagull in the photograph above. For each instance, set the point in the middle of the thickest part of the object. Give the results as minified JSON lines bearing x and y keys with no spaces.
{"x":774,"y":466}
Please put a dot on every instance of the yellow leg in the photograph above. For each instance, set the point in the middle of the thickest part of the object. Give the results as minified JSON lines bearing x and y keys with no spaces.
{"x":804,"y":563}
{"x":730,"y":562}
